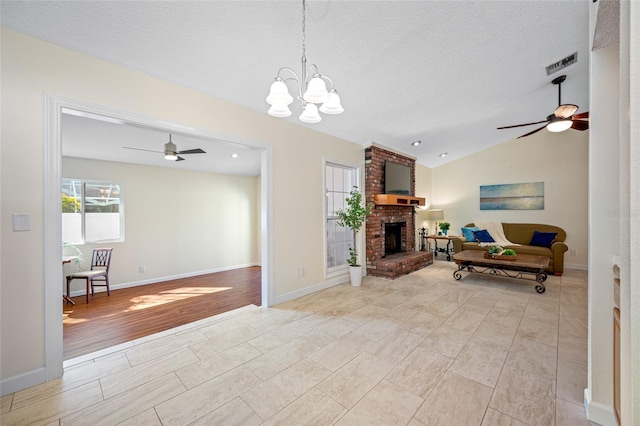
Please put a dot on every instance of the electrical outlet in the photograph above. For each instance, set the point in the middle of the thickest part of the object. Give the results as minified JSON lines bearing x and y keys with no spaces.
{"x":573,"y":252}
{"x":142,"y":269}
{"x":300,"y":271}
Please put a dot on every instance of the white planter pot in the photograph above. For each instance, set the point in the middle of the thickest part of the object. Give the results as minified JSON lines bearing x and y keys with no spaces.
{"x":355,"y":273}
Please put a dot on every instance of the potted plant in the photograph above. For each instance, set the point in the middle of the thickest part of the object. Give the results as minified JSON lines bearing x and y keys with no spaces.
{"x":495,"y":250}
{"x":444,"y":226}
{"x":498,"y":252}
{"x":354,"y":216}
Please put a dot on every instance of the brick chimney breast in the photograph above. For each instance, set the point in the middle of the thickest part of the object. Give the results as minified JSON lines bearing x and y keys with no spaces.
{"x":407,"y":260}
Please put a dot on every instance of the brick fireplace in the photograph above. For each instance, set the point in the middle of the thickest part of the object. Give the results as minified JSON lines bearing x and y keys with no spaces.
{"x":390,"y":229}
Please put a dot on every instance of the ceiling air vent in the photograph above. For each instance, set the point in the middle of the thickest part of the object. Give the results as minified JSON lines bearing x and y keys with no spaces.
{"x":563,"y":63}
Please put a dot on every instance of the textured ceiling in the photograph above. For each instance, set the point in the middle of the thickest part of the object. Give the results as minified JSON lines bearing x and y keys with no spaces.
{"x":444,"y":72}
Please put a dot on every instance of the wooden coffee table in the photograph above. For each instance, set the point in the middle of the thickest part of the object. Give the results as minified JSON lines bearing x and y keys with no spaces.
{"x":526,"y":266}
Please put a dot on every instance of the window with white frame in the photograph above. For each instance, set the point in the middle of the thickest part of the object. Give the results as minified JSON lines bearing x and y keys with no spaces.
{"x":91,"y":211}
{"x":339,"y":181}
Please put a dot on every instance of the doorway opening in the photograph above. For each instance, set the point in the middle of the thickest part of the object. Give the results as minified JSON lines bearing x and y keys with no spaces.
{"x":55,"y":108}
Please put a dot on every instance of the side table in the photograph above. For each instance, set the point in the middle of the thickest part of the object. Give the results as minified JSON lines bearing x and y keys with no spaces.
{"x":66,"y":259}
{"x":446,"y":250}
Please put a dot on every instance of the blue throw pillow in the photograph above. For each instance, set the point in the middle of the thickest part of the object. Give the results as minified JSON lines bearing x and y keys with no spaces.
{"x":543,"y":239}
{"x":468,"y":233}
{"x":483,"y":236}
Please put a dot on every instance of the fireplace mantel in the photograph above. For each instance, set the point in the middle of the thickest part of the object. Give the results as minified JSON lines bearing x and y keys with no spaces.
{"x":397,"y":200}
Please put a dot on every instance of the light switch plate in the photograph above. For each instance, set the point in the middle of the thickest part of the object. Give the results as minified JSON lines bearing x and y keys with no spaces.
{"x":21,"y":222}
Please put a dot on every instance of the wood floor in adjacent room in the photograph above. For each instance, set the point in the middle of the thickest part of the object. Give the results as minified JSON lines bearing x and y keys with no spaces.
{"x":130,"y":313}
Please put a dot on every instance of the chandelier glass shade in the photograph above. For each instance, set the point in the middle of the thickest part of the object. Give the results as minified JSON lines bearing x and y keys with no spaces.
{"x":310,"y":114}
{"x":279,"y":94}
{"x":279,"y":110}
{"x":311,"y":92}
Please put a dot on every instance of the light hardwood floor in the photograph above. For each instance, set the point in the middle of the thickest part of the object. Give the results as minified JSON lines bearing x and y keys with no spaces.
{"x":423,"y":349}
{"x":134,"y":312}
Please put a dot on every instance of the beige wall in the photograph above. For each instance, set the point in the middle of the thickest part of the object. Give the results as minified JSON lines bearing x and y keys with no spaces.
{"x":176,"y":222}
{"x":560,"y":160}
{"x":31,"y":68}
{"x":423,"y":189}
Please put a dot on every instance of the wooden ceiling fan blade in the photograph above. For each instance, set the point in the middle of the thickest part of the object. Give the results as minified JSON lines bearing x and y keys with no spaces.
{"x":580,"y":125}
{"x":530,"y":133}
{"x":193,"y":151}
{"x":179,"y":159}
{"x":140,"y":149}
{"x":565,"y":110}
{"x":582,"y":115}
{"x":521,"y":125}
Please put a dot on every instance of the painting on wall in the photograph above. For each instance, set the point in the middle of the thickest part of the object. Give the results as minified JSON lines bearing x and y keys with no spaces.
{"x":512,"y":196}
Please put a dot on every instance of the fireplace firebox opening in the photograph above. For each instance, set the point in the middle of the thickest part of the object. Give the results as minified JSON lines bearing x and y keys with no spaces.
{"x":393,"y":237}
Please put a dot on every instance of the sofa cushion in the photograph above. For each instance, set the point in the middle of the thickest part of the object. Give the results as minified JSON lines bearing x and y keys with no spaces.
{"x":535,"y":250}
{"x":483,"y":236}
{"x":543,"y":239}
{"x":468,"y":233}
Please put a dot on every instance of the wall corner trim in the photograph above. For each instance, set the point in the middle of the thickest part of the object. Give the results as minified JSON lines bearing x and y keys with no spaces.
{"x":597,"y":412}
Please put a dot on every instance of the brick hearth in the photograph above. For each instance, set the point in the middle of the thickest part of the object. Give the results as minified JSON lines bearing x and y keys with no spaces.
{"x":408,"y":260}
{"x":399,"y":264}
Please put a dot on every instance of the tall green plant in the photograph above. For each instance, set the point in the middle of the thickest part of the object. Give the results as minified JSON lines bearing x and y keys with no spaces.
{"x":354,"y":216}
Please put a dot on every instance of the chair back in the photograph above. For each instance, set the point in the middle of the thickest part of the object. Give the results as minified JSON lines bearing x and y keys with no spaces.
{"x":101,"y":259}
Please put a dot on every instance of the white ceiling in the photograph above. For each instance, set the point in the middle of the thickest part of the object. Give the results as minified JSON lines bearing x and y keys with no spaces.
{"x":87,"y":137}
{"x":444,"y":72}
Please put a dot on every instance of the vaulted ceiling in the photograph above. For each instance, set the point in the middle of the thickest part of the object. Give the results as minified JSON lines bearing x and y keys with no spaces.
{"x":447,"y":73}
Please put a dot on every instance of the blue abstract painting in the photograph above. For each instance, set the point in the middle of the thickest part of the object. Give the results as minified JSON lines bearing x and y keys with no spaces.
{"x":512,"y":196}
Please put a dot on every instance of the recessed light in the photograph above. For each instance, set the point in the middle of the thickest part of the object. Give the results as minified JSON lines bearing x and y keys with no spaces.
{"x":444,"y":154}
{"x":416,"y":143}
{"x":234,"y":155}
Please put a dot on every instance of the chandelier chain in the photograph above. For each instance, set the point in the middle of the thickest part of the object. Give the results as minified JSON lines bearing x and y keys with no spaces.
{"x":303,"y":29}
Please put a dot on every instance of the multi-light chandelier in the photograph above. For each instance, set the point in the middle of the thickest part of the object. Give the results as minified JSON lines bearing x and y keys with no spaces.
{"x":310,"y":92}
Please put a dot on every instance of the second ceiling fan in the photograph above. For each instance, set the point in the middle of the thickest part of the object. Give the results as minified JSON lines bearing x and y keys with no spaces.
{"x":171,"y":152}
{"x":563,"y":118}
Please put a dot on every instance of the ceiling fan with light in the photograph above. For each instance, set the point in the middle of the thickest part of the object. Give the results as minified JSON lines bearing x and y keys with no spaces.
{"x":171,"y":152}
{"x":563,"y":118}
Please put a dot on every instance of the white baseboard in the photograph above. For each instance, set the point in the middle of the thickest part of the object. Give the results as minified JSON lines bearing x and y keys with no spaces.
{"x":22,"y":381}
{"x":577,"y":266}
{"x":597,"y":412}
{"x":81,"y":292}
{"x":311,"y":289}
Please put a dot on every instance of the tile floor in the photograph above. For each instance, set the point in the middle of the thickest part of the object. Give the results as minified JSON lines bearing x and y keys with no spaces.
{"x":423,"y":349}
